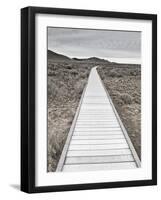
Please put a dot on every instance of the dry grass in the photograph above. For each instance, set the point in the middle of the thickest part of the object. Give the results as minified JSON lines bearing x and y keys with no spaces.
{"x":66,"y":82}
{"x":124,"y":85}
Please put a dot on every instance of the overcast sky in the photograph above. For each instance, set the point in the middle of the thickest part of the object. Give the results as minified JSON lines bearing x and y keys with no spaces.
{"x":100,"y":43}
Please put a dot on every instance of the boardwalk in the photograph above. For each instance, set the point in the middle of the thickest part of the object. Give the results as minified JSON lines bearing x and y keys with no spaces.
{"x":97,"y":139}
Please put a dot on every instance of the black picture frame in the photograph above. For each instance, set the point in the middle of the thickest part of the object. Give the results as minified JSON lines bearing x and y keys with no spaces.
{"x":28,"y":98}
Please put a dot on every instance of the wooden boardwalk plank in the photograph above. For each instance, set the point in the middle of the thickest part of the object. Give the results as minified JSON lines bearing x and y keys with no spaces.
{"x":97,"y":125}
{"x":98,"y":137}
{"x":97,"y":133}
{"x":99,"y":159}
{"x":94,"y":124}
{"x":96,"y":120}
{"x":97,"y":129}
{"x":106,"y":141}
{"x":102,"y":132}
{"x":108,"y":152}
{"x":95,"y":167}
{"x":98,"y":146}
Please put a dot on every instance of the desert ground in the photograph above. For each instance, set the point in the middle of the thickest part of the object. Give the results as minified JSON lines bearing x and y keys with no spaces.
{"x":66,"y":81}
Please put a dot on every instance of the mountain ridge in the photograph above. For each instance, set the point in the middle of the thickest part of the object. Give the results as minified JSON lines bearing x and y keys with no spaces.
{"x":57,"y":56}
{"x":61,"y":57}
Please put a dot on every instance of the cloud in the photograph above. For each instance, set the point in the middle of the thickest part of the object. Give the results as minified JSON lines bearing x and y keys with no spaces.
{"x":100,"y":43}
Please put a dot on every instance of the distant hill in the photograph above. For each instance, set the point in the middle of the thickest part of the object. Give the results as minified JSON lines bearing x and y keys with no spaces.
{"x":59,"y":57}
{"x":91,"y":59}
{"x":56,"y":56}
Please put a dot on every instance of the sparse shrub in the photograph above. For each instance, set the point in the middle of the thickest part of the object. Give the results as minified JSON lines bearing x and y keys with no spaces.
{"x":114,"y":73}
{"x":137,"y":100}
{"x":79,"y":86}
{"x":117,"y":99}
{"x":74,"y":72}
{"x":83,"y":75}
{"x":133,"y":73}
{"x":126,"y":98}
{"x":69,"y":67}
{"x":136,"y":97}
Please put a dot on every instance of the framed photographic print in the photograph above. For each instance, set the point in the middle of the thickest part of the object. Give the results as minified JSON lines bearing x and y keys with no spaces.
{"x":88,"y":99}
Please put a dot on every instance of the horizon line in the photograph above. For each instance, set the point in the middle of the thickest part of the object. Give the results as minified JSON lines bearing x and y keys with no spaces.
{"x":125,"y":60}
